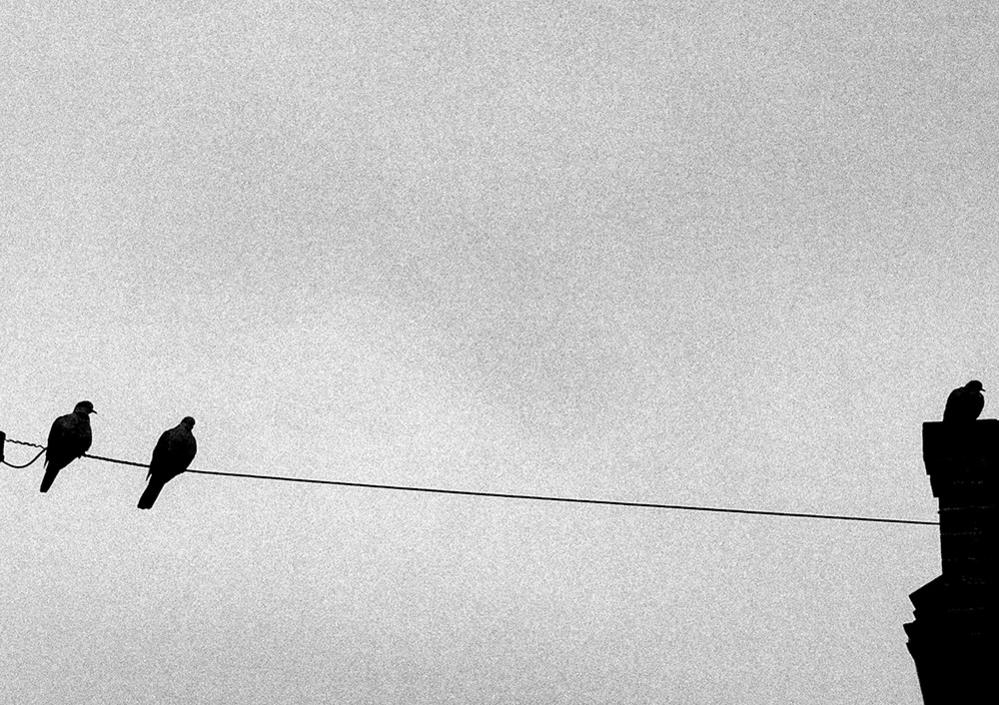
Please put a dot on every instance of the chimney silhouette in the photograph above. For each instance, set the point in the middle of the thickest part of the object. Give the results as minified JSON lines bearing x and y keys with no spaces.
{"x":952,"y":638}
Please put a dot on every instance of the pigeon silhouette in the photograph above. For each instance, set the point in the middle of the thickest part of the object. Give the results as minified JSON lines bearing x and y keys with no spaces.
{"x":69,"y":438}
{"x":965,"y":403}
{"x":173,"y":453}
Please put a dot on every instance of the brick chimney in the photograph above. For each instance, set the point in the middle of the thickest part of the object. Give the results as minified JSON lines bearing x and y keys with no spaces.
{"x":953,"y":636}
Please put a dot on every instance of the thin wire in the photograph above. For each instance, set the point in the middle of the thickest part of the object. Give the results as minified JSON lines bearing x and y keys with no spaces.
{"x":574,"y":500}
{"x":507,"y":495}
{"x":25,"y":443}
{"x":30,"y":462}
{"x":120,"y":462}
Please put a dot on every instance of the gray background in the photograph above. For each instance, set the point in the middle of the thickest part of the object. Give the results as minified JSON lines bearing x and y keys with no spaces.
{"x":709,"y":252}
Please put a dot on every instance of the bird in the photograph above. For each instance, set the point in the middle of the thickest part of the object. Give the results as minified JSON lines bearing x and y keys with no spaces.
{"x":69,"y":438}
{"x":965,"y":403}
{"x":172,"y":455}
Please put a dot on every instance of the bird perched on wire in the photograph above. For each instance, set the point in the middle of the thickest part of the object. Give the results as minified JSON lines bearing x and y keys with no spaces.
{"x":69,"y":438}
{"x":965,"y":403}
{"x":173,"y":453}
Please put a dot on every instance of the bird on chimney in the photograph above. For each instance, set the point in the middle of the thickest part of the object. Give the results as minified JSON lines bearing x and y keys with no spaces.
{"x":965,"y":403}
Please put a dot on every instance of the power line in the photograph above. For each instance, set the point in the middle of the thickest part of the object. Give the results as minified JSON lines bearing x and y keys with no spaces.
{"x":30,"y":462}
{"x":510,"y":495}
{"x":26,"y":443}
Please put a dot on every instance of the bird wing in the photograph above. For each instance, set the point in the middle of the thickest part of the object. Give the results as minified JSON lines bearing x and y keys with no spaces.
{"x":161,"y":455}
{"x":69,"y":438}
{"x":953,"y":406}
{"x":58,"y":434}
{"x":173,"y":453}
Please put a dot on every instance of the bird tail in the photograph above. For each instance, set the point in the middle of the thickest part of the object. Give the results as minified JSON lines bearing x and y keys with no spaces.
{"x":149,"y":496}
{"x":50,"y":475}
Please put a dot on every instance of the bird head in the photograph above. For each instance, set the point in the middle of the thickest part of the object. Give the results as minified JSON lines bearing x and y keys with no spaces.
{"x":84,"y":407}
{"x":188,"y":421}
{"x":975,"y":386}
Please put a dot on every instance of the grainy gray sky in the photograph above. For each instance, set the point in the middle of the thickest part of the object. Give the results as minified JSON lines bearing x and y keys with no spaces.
{"x":711,"y":253}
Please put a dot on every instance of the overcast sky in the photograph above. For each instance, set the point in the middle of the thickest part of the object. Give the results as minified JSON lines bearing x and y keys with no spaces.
{"x":729,"y":254}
